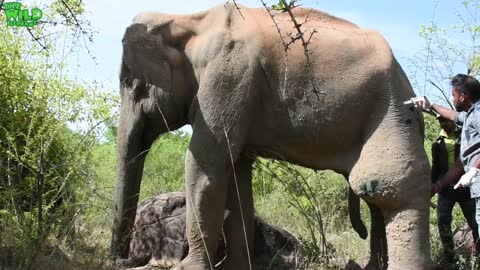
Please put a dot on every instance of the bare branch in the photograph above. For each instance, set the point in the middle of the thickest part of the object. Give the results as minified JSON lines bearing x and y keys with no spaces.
{"x":37,"y":39}
{"x":300,"y":36}
{"x":238,"y":8}
{"x":82,"y":30}
{"x":443,"y":92}
{"x":275,"y":23}
{"x":311,"y":35}
{"x":294,"y":38}
{"x":77,"y":23}
{"x":269,"y":11}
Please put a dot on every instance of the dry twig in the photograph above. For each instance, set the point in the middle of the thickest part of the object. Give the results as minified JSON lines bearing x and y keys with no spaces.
{"x":293,"y":38}
{"x":37,"y":39}
{"x":82,"y":30}
{"x":301,"y":36}
{"x":238,"y":8}
{"x":283,"y":42}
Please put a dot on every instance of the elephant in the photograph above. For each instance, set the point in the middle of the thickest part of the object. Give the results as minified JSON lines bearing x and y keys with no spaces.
{"x":251,"y":87}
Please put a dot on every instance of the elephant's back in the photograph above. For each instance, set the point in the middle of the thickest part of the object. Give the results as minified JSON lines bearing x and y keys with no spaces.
{"x":325,"y":103}
{"x":329,"y":89}
{"x":340,"y":64}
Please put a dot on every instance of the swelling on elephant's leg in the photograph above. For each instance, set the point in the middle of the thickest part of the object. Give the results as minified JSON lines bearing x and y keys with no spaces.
{"x":405,"y":210}
{"x":378,"y":241}
{"x":206,"y":190}
{"x":239,"y":225}
{"x":406,"y":229}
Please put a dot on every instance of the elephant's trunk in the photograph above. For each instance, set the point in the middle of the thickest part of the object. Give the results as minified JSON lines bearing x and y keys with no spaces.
{"x":131,"y":150}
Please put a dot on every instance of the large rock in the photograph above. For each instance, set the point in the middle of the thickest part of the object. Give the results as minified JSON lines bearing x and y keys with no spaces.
{"x":159,"y":237}
{"x":463,"y":241}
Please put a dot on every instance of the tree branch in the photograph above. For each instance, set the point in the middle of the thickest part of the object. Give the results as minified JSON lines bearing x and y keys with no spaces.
{"x":443,"y":93}
{"x":238,"y":8}
{"x":269,"y":11}
{"x":83,"y":31}
{"x":37,"y":39}
{"x":300,"y":36}
{"x":285,"y":47}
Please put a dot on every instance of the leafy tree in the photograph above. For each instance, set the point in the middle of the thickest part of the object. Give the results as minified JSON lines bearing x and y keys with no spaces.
{"x":45,"y":174}
{"x":449,"y":49}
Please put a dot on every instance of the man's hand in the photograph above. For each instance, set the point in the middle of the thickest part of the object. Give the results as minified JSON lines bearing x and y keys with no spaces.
{"x":422,"y":103}
{"x":468,"y":178}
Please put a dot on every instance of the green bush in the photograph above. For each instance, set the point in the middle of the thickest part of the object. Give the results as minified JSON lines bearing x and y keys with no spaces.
{"x":45,"y":170}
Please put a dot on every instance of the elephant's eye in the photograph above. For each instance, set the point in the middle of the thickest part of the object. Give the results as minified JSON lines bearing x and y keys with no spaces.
{"x":137,"y":89}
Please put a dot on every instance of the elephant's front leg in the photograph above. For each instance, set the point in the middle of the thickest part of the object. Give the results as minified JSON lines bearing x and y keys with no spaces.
{"x":408,"y":237}
{"x":239,"y":224}
{"x":206,"y":191}
{"x":405,"y":215}
{"x":404,"y":225}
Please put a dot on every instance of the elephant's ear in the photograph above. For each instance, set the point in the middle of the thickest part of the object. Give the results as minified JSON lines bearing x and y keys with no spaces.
{"x":174,"y":38}
{"x":172,"y":33}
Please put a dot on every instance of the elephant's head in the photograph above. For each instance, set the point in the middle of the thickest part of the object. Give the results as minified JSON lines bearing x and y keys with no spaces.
{"x":156,"y":87}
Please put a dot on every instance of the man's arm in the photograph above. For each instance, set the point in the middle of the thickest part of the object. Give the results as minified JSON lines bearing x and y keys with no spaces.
{"x":469,"y":177}
{"x":451,"y":177}
{"x":477,"y":163}
{"x":444,"y":112}
{"x":424,"y":104}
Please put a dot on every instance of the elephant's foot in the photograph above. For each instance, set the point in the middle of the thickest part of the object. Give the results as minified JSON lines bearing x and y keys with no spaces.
{"x":191,"y":263}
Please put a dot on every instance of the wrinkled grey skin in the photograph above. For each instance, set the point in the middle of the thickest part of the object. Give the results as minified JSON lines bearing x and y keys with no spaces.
{"x":227,"y":77}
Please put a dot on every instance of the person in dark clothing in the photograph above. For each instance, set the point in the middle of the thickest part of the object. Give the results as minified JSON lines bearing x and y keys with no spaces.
{"x":445,"y":150}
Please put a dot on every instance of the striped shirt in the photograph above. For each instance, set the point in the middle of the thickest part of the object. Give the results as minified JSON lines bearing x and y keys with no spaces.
{"x":470,"y":142}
